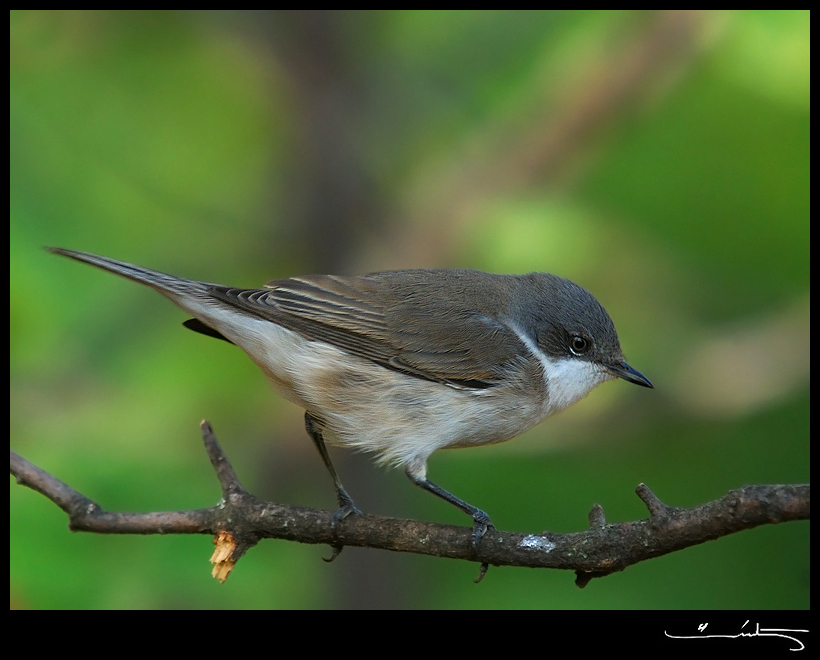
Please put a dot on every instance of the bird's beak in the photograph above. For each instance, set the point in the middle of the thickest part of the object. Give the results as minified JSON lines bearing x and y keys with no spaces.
{"x":623,"y":370}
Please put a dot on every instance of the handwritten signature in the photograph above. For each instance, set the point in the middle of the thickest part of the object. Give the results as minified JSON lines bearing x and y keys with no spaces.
{"x":757,"y":632}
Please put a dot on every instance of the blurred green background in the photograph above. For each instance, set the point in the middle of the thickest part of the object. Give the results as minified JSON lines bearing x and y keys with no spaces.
{"x":660,"y":159}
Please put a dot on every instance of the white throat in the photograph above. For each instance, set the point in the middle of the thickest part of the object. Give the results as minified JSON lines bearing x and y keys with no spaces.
{"x":568,"y":379}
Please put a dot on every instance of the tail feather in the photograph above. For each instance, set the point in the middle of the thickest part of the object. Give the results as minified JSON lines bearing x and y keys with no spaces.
{"x":162,"y":282}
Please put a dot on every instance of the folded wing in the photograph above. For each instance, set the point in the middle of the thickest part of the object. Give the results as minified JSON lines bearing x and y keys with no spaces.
{"x":418,"y":323}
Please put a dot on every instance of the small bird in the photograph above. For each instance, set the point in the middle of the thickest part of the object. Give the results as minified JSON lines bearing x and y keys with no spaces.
{"x":402,"y":363}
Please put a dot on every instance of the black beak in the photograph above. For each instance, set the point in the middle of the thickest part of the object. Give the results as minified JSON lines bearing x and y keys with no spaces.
{"x":623,"y":370}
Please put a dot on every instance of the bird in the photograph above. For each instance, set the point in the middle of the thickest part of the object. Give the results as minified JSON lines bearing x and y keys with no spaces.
{"x":403,"y":363}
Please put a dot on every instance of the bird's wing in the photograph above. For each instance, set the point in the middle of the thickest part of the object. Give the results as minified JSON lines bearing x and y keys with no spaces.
{"x":369,"y":317}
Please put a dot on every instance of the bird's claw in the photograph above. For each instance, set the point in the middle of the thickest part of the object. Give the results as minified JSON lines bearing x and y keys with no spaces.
{"x":346,"y":508}
{"x":481,"y":523}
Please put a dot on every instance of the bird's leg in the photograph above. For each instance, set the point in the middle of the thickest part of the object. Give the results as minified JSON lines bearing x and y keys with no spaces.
{"x":346,"y":505}
{"x":481,"y":521}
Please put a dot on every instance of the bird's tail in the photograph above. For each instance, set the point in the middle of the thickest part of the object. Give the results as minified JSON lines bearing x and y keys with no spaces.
{"x":166,"y":284}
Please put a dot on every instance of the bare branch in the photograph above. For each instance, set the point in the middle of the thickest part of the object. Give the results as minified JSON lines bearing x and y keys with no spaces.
{"x":240,"y":520}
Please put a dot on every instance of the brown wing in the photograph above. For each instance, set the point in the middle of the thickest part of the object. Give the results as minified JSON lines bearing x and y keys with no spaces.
{"x":438,"y":325}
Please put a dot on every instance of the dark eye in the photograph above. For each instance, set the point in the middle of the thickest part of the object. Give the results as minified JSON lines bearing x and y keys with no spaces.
{"x":578,"y":345}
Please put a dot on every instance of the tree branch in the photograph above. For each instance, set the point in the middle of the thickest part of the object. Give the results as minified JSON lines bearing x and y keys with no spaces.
{"x":240,"y":520}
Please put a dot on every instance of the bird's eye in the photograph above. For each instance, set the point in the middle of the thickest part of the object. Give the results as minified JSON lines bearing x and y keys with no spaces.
{"x":578,"y":345}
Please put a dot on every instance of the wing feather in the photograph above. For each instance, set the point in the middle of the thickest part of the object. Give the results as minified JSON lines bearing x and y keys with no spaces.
{"x":429,"y":326}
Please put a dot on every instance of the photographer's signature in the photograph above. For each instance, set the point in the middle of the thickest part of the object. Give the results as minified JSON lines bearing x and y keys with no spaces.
{"x":785,"y":633}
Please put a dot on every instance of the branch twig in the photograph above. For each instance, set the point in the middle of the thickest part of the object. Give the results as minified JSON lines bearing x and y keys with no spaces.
{"x":240,"y":520}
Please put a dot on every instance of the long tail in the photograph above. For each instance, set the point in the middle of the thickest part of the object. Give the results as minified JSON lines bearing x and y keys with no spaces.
{"x":166,"y":284}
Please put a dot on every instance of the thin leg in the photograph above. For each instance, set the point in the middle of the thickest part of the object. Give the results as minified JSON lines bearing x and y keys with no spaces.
{"x":346,"y":505}
{"x":481,"y":521}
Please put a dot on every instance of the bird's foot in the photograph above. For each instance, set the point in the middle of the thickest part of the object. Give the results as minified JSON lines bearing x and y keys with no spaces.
{"x":481,"y":523}
{"x":346,"y":508}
